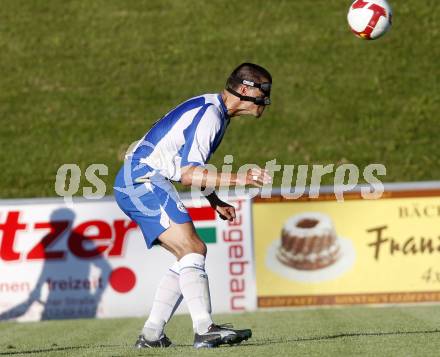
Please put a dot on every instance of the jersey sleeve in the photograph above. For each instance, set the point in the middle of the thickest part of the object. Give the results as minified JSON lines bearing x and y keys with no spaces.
{"x":200,"y":136}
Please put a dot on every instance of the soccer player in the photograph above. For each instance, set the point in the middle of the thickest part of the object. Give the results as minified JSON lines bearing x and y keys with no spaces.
{"x":176,"y":149}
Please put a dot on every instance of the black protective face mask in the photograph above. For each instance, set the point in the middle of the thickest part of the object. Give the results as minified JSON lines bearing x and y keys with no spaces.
{"x":264,"y":87}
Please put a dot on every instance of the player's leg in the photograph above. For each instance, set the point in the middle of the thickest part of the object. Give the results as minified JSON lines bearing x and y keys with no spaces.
{"x":180,"y":239}
{"x":168,"y":296}
{"x":183,"y":241}
{"x":166,"y":301}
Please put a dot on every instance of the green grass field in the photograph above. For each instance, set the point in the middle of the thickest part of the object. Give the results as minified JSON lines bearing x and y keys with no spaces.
{"x":390,"y":331}
{"x":81,"y":80}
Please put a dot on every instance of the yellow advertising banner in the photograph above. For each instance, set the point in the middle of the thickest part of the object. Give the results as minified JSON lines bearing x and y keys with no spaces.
{"x":324,"y":252}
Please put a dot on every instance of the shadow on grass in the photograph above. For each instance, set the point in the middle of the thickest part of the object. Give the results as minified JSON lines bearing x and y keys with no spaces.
{"x":257,"y":343}
{"x":55,"y":349}
{"x":340,"y":335}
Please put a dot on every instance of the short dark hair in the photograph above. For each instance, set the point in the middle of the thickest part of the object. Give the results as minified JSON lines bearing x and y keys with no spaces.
{"x":249,"y":71}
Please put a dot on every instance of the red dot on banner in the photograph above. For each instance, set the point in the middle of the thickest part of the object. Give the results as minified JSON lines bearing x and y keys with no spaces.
{"x":122,"y":279}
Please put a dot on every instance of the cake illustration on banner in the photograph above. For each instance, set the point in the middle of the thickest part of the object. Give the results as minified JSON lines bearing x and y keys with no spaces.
{"x":309,"y":250}
{"x":309,"y":242}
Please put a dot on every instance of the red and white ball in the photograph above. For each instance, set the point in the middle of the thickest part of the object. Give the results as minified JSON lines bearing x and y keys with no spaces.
{"x":369,"y":19}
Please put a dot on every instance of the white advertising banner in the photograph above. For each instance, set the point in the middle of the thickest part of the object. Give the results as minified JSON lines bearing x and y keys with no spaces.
{"x":89,"y":260}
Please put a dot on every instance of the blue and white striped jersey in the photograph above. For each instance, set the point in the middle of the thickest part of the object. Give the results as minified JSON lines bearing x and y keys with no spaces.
{"x":187,"y":135}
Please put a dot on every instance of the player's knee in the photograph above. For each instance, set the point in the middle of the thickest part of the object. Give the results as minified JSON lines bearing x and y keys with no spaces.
{"x":193,"y":245}
{"x":200,"y":248}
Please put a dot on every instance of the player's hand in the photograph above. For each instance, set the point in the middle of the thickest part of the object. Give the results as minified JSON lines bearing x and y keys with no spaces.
{"x":256,"y":177}
{"x":226,"y":212}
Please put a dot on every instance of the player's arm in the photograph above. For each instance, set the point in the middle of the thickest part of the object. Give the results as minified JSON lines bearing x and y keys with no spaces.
{"x":200,"y":176}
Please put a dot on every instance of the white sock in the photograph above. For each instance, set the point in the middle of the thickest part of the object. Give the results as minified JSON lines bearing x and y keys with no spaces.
{"x":195,"y":289}
{"x":166,"y":301}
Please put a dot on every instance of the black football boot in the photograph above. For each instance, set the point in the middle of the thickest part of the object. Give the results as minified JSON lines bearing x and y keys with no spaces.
{"x":219,"y":335}
{"x":142,"y":342}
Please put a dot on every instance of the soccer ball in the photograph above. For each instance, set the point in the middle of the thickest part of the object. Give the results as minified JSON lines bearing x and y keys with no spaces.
{"x":369,"y":19}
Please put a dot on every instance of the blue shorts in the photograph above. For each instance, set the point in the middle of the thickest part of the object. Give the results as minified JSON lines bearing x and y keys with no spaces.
{"x":151,"y":204}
